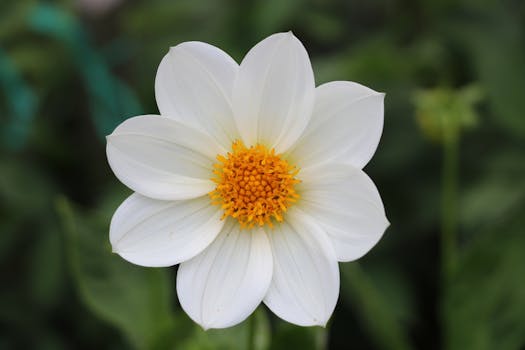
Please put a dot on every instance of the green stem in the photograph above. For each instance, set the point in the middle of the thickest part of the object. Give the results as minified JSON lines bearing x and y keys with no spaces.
{"x":449,"y":225}
{"x":251,"y":332}
{"x":320,"y":337}
{"x":449,"y":205}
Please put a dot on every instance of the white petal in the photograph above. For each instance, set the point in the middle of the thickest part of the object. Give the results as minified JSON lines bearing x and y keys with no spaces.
{"x":194,"y":83}
{"x":223,"y":285}
{"x":274,"y":92}
{"x":346,"y":126}
{"x":305,"y":283}
{"x":150,"y":232}
{"x":162,"y":158}
{"x":346,"y":203}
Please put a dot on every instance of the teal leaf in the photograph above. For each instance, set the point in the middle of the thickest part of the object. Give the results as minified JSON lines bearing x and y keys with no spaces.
{"x":110,"y":100}
{"x":21,"y":104}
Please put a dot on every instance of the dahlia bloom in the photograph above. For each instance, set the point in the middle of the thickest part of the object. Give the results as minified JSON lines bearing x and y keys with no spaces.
{"x":251,"y":180}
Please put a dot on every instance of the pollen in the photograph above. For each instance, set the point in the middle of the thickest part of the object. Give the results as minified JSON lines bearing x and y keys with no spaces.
{"x":254,"y":185}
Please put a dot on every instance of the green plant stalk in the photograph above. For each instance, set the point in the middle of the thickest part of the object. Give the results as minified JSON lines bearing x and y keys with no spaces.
{"x":449,"y":204}
{"x":251,"y":332}
{"x":320,"y":337}
{"x":449,"y":222}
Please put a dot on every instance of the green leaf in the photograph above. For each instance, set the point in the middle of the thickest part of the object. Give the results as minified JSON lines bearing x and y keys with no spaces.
{"x":485,"y":306}
{"x":373,"y":309}
{"x":497,"y":54}
{"x":134,"y":299}
{"x":46,"y":273}
{"x":497,"y":194}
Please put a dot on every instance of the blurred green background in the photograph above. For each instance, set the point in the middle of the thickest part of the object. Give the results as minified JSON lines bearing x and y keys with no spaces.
{"x":449,"y":272}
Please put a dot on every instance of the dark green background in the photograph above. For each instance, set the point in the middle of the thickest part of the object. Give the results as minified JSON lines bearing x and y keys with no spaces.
{"x":69,"y":74}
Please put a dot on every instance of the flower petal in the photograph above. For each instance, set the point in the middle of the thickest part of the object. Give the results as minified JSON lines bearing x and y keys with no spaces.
{"x":305,"y":283}
{"x":150,"y":232}
{"x":194,"y":83}
{"x":274,"y":92}
{"x":346,"y":204}
{"x":346,"y":126}
{"x":224,"y":284}
{"x":162,"y":158}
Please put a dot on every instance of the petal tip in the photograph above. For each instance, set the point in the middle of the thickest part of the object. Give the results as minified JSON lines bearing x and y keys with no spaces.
{"x":285,"y":36}
{"x":291,"y":36}
{"x":177,"y":47}
{"x":116,"y":248}
{"x":321,"y":322}
{"x":114,"y":244}
{"x":386,"y":224}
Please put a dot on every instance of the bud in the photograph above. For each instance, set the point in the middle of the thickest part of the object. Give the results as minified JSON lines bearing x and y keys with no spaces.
{"x":442,"y":112}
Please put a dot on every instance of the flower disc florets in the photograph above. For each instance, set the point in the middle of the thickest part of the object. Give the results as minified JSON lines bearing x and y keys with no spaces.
{"x":253,"y":185}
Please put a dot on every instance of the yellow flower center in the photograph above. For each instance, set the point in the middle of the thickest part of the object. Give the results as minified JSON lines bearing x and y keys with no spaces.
{"x":254,"y":185}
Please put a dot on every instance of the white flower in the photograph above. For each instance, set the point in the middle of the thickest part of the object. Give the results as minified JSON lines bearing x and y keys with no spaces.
{"x":251,"y":180}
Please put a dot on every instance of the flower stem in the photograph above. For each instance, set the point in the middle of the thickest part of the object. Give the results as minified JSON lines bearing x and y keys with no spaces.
{"x":251,"y":332}
{"x":320,"y":337}
{"x":449,"y":205}
{"x":449,"y":223}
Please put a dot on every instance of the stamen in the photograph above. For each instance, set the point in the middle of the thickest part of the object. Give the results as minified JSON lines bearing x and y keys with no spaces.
{"x":254,"y":185}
